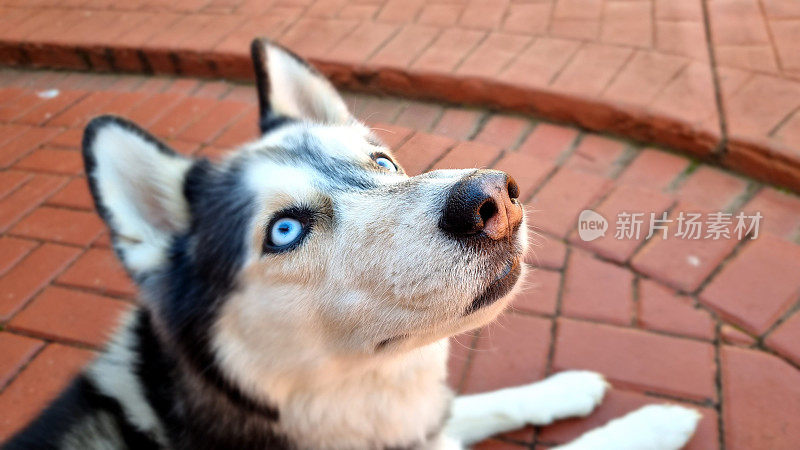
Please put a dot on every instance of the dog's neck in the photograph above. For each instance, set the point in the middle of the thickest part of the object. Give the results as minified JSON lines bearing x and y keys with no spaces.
{"x":321,"y":408}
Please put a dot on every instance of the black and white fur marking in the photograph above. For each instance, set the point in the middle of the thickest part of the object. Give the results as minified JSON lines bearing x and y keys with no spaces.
{"x":337,"y":341}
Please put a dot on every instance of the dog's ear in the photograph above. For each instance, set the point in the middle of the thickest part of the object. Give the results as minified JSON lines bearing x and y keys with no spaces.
{"x":137,"y":184}
{"x":289,"y":86}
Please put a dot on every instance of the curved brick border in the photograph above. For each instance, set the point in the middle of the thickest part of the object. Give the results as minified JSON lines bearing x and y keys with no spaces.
{"x":496,"y":69}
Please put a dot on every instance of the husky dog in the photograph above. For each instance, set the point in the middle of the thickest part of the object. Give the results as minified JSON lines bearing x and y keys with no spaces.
{"x":300,"y":294}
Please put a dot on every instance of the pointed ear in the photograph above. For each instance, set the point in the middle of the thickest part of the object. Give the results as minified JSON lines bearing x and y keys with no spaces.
{"x":137,"y":185}
{"x":289,"y":86}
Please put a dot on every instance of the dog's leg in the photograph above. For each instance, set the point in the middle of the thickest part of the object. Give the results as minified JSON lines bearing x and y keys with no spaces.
{"x":567,"y":394}
{"x":654,"y":427}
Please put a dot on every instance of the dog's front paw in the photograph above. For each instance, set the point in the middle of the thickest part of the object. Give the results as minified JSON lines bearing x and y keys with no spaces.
{"x":574,"y":393}
{"x":653,"y":427}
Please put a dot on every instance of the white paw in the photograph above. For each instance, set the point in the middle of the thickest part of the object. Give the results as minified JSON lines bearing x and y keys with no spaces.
{"x":653,"y":427}
{"x":575,"y":393}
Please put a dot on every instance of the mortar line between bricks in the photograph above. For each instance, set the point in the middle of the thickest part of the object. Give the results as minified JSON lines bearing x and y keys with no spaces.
{"x":93,"y":291}
{"x":469,"y":52}
{"x":719,"y":151}
{"x":794,"y":307}
{"x":718,"y":384}
{"x":25,"y":364}
{"x":51,"y":340}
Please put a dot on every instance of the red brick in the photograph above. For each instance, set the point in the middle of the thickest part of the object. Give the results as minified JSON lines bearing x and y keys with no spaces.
{"x":546,"y":252}
{"x":540,"y":293}
{"x":528,"y":171}
{"x":70,"y":138}
{"x":12,"y":250}
{"x":483,"y":15}
{"x":208,"y":127}
{"x":359,"y":45}
{"x":181,"y":115}
{"x":458,"y":123}
{"x":421,"y":150}
{"x":458,"y":358}
{"x":492,"y":55}
{"x":9,"y":131}
{"x":682,"y":264}
{"x":467,"y":155}
{"x":10,"y":110}
{"x":38,"y":384}
{"x":447,"y":51}
{"x":420,"y":116}
{"x":392,"y":135}
{"x":80,"y":112}
{"x":124,"y":103}
{"x":643,"y":78}
{"x":315,"y":38}
{"x":653,"y":169}
{"x":781,"y":212}
{"x":74,"y":195}
{"x":785,"y":338}
{"x":592,"y":68}
{"x":213,"y":89}
{"x":735,"y":336}
{"x":60,"y":225}
{"x":74,"y":316}
{"x":53,"y":160}
{"x":23,"y":200}
{"x":400,"y":11}
{"x":634,"y":359}
{"x":147,"y":112}
{"x":689,"y":97}
{"x":361,"y":12}
{"x":372,"y":109}
{"x":15,"y":352}
{"x":597,"y":290}
{"x":509,"y":352}
{"x":557,"y":205}
{"x":548,"y":142}
{"x":597,"y":155}
{"x":99,"y":270}
{"x":711,"y":188}
{"x":760,"y":408}
{"x":496,"y":444}
{"x":440,"y":15}
{"x":503,"y":131}
{"x":405,"y":46}
{"x":615,"y":244}
{"x":11,"y":180}
{"x":616,"y":404}
{"x":758,"y":285}
{"x":49,"y":108}
{"x":663,"y":310}
{"x":529,"y":18}
{"x":35,"y":271}
{"x":244,"y":129}
{"x":628,"y":23}
{"x":24,"y":144}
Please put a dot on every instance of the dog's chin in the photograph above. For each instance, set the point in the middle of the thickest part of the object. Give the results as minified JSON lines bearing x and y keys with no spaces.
{"x":500,"y":287}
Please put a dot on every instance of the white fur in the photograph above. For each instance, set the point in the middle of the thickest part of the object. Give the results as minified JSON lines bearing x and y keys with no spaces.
{"x":142,"y":189}
{"x":653,"y":427}
{"x":114,"y":374}
{"x":567,"y":394}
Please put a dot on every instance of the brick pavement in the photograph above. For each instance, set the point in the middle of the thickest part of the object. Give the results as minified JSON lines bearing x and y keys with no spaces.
{"x":719,"y":79}
{"x":712,"y":324}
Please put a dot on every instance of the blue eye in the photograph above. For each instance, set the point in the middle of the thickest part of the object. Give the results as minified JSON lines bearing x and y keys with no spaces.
{"x":386,"y":163}
{"x":285,"y":231}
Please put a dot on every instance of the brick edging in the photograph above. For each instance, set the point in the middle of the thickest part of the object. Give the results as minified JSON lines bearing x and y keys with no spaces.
{"x":762,"y":160}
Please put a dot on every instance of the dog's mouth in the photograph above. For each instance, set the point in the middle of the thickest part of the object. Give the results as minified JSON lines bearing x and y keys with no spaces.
{"x":498,"y":288}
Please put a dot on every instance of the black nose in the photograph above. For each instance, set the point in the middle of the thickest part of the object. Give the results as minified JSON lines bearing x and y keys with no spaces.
{"x":484,"y":202}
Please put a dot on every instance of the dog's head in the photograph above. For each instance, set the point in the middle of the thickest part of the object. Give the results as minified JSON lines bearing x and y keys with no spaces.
{"x":310,"y":238}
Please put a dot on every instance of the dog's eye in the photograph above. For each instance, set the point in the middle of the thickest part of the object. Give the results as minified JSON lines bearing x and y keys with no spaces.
{"x":386,"y":163}
{"x":285,"y":231}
